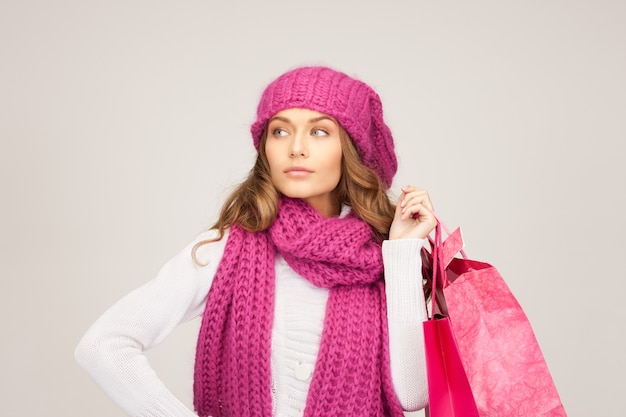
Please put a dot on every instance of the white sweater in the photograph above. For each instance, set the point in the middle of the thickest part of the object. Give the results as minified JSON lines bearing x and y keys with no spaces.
{"x":112,"y":349}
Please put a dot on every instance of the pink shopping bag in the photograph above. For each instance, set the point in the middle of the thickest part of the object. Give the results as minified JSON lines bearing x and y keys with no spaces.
{"x":449,"y":392}
{"x":504,"y":364}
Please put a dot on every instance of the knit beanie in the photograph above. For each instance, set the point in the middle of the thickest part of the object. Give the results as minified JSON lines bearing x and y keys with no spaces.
{"x":354,"y":104}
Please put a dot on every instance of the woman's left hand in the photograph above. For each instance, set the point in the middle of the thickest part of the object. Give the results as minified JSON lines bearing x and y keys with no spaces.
{"x":414,"y":216}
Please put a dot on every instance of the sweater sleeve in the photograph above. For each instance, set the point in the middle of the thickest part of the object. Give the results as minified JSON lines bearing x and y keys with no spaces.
{"x":112,"y":349}
{"x":405,"y":313}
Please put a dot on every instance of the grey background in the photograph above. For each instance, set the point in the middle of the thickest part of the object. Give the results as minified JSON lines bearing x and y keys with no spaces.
{"x":124,"y":124}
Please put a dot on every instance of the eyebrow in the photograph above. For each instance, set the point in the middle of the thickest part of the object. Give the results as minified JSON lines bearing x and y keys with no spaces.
{"x":313,"y":120}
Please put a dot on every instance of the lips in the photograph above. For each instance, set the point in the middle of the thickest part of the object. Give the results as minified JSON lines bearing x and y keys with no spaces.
{"x":297,"y":171}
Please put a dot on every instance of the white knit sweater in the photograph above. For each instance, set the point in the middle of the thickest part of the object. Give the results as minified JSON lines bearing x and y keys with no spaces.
{"x":112,"y":349}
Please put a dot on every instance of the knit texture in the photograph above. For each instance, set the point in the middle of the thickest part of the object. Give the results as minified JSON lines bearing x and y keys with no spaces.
{"x":355,"y":105}
{"x":352,"y":375}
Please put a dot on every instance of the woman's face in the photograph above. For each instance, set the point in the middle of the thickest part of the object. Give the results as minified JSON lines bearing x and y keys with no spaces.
{"x":303,"y":149}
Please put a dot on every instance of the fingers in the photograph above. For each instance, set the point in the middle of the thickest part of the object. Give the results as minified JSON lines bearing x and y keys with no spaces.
{"x":415,"y":202}
{"x":414,"y":217}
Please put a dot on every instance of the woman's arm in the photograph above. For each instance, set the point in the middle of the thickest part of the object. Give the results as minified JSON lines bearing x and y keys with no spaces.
{"x":111,"y":351}
{"x":413,"y":221}
{"x":405,"y":313}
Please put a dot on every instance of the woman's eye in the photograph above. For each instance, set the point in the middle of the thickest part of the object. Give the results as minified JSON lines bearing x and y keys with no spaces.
{"x":279,"y":132}
{"x":319,"y":132}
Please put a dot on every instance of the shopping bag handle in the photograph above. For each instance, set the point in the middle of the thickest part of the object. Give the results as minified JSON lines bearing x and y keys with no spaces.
{"x":442,"y":253}
{"x":438,"y":270}
{"x":452,"y":245}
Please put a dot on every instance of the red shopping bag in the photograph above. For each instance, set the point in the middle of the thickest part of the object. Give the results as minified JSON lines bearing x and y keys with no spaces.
{"x":504,"y":364}
{"x":449,"y":392}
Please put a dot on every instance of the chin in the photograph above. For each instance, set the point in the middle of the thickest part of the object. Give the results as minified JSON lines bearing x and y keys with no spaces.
{"x":296,"y":194}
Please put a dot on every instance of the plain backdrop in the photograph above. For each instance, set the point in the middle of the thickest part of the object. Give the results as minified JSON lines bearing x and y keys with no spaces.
{"x":124,"y":124}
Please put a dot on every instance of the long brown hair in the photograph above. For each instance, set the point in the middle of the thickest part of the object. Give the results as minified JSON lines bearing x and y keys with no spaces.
{"x":253,"y":204}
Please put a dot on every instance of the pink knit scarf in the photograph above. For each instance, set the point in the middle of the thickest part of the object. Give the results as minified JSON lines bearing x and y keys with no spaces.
{"x":352,"y":375}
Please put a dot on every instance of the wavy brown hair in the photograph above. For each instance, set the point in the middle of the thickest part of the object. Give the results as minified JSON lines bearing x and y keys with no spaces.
{"x":253,"y":204}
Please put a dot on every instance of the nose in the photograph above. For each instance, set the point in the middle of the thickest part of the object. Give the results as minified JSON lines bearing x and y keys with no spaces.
{"x":298,"y":146}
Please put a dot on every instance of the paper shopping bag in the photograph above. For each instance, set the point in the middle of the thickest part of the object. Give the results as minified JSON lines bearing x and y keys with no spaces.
{"x":449,"y":392}
{"x":500,"y":353}
{"x":506,"y":370}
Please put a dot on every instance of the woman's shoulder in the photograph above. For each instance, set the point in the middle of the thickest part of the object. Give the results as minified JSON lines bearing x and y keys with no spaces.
{"x":190,"y":272}
{"x":207,"y":248}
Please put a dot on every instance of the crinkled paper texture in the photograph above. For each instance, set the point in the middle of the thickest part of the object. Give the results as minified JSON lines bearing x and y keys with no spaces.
{"x":502,"y":358}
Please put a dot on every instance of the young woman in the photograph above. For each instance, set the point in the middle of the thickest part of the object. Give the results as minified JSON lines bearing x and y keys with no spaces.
{"x":309,"y":284}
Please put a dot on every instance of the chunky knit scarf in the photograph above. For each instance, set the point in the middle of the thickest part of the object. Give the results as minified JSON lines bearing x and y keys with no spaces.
{"x":352,"y":375}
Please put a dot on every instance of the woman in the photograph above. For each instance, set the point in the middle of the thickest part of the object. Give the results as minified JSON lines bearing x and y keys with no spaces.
{"x":309,"y":284}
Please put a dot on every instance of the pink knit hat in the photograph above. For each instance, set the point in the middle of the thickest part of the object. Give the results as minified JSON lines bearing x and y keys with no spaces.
{"x":354,"y":104}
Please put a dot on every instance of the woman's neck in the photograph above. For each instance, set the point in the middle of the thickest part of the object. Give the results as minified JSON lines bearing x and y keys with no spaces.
{"x":326,"y":207}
